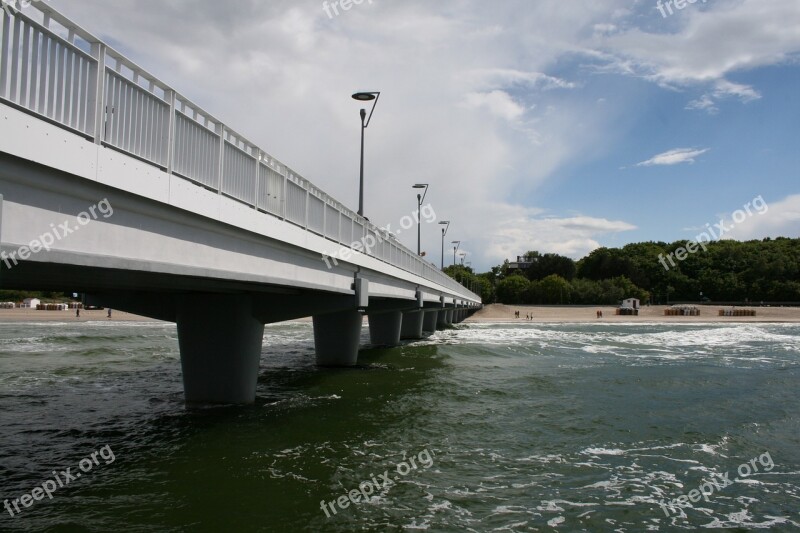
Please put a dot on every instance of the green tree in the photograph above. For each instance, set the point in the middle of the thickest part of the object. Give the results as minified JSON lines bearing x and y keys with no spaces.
{"x":548,"y":264}
{"x":511,"y":291}
{"x":554,"y":290}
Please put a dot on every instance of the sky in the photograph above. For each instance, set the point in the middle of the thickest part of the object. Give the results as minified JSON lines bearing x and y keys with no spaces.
{"x":550,"y":125}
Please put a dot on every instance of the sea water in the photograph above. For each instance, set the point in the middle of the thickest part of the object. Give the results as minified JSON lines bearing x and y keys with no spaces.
{"x":528,"y":427}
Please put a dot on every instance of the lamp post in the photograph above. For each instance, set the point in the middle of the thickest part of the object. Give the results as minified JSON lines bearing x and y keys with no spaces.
{"x":445,"y":223}
{"x":420,"y":199}
{"x":462,"y":255}
{"x":455,"y":249}
{"x":364,"y":97}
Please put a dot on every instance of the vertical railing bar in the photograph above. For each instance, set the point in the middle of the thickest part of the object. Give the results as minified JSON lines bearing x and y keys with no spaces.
{"x":138,"y":120}
{"x":221,"y":158}
{"x":119,"y":109}
{"x":52,"y":80}
{"x":23,"y":92}
{"x":61,"y":74}
{"x":142,"y":121}
{"x":109,"y":130}
{"x":112,"y":111}
{"x":68,"y":89}
{"x":191,"y":134}
{"x":177,"y":162}
{"x":77,"y":91}
{"x":133,"y":126}
{"x":147,"y":121}
{"x":44,"y":61}
{"x":163,"y":137}
{"x":147,"y":127}
{"x":127,"y":127}
{"x":14,"y":60}
{"x":35,"y":67}
{"x":5,"y":57}
{"x":59,"y":82}
{"x":97,"y":94}
{"x":194,"y":144}
{"x":170,"y":137}
{"x":160,"y":136}
{"x":83,"y":94}
{"x":285,"y":195}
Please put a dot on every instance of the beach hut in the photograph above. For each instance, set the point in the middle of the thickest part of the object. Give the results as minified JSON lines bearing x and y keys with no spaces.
{"x":630,"y":303}
{"x":31,"y":303}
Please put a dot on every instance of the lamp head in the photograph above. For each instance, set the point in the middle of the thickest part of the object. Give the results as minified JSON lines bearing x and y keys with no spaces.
{"x":364,"y":97}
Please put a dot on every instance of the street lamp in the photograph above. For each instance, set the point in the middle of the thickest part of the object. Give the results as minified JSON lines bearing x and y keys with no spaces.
{"x":445,"y":223}
{"x":455,"y":249}
{"x":420,"y":199}
{"x":364,"y":97}
{"x":462,"y":255}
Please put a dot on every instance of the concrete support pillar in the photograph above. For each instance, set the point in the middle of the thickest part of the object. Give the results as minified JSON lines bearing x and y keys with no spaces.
{"x":449,"y":318}
{"x":336,"y":338}
{"x":441,"y":320}
{"x":220,"y":344}
{"x":429,"y":322}
{"x":384,"y":328}
{"x":413,"y":322}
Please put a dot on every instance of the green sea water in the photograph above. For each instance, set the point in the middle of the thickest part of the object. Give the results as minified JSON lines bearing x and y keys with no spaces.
{"x":527,"y":427}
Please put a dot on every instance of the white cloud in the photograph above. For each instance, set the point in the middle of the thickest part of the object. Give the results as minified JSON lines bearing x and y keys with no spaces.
{"x":781,"y":219}
{"x":674,"y":157}
{"x":499,"y":104}
{"x":704,"y":103}
{"x":518,"y":230}
{"x":495,"y":77}
{"x":723,"y":89}
{"x":707,"y":47}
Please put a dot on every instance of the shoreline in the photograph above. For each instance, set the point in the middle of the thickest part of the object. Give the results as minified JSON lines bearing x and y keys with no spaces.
{"x":15,"y":316}
{"x":491,"y":314}
{"x":504,"y":314}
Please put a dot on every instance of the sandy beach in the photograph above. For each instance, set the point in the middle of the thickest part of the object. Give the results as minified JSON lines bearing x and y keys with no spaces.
{"x":32,"y":315}
{"x":490,"y":313}
{"x":573,"y":314}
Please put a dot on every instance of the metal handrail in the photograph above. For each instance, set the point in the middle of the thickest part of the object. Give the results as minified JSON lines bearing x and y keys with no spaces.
{"x":73,"y":79}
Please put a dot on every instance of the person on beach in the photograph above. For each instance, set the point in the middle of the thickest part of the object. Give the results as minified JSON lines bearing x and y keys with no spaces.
{"x":77,"y":312}
{"x":109,"y":313}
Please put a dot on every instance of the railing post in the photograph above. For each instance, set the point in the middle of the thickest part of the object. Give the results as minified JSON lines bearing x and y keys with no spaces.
{"x":307,"y":202}
{"x":221,"y":169}
{"x":169,"y":94}
{"x":285,"y":195}
{"x":98,"y":96}
{"x":5,"y":56}
{"x":259,"y":155}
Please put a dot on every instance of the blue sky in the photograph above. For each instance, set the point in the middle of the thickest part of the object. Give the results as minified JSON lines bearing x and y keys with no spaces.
{"x":540,"y":124}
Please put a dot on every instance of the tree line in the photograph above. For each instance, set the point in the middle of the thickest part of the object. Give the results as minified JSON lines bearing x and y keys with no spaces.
{"x":727,"y":271}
